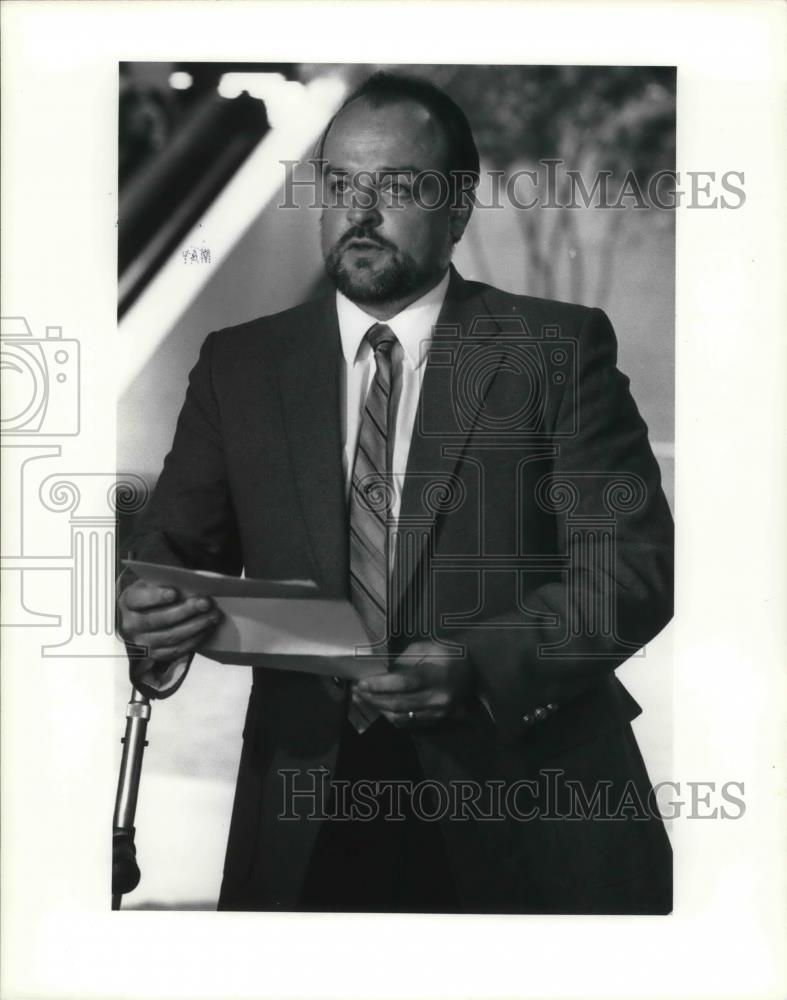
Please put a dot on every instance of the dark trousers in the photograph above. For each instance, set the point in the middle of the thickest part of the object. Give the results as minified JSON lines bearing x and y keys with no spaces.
{"x":378,"y":864}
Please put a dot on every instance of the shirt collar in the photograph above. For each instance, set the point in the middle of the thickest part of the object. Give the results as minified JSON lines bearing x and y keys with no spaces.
{"x":412,"y":326}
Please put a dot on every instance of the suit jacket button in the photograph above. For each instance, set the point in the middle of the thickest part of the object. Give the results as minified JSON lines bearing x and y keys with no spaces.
{"x":527,"y":719}
{"x":540,"y":713}
{"x":338,"y":681}
{"x":551,"y":707}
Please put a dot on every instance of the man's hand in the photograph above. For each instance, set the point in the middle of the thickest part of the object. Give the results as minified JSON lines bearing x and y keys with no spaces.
{"x":424,"y":686}
{"x":166,"y":624}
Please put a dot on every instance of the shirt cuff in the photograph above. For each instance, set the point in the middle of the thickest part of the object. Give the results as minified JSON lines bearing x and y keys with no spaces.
{"x":159,"y":680}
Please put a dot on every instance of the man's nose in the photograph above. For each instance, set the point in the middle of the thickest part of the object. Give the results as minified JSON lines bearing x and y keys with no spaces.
{"x":363,"y":209}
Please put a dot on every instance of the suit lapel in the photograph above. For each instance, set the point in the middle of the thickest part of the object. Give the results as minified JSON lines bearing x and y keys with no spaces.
{"x":309,"y":380}
{"x":443,"y":424}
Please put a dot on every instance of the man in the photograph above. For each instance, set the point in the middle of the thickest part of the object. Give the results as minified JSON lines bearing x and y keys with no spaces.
{"x":468,"y":467}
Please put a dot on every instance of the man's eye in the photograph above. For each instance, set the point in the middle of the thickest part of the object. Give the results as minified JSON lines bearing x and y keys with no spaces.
{"x":338,"y":184}
{"x":397,"y":190}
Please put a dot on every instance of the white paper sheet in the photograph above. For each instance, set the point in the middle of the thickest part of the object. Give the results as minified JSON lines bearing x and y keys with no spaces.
{"x":275,"y":623}
{"x":201,"y":581}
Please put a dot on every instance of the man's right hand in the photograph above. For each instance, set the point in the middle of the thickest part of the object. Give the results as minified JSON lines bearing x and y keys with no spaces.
{"x":167,"y":625}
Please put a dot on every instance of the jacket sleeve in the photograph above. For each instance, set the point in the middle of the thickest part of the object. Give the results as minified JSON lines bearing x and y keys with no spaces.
{"x":616,"y":595}
{"x":189,"y":520}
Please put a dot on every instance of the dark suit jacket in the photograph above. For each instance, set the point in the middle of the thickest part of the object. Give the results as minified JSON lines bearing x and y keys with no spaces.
{"x":537,"y":537}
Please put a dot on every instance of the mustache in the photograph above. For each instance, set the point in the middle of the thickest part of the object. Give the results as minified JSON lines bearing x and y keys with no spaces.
{"x":359,"y":233}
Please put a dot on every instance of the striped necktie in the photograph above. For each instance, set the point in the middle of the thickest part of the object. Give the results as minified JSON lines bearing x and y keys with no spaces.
{"x":370,"y":509}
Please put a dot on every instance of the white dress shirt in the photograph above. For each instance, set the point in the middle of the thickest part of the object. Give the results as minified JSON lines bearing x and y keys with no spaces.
{"x":413,"y":330}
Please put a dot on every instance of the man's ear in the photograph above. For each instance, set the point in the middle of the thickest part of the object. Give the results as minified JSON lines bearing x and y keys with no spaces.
{"x":460,"y":216}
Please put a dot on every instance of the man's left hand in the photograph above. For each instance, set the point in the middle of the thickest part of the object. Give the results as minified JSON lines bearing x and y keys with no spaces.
{"x":424,"y":686}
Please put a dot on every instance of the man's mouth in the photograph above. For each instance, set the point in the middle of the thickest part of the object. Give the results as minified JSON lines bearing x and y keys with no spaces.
{"x":363,"y":244}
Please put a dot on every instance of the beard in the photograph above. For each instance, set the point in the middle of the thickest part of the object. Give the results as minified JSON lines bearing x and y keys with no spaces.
{"x":369,"y":281}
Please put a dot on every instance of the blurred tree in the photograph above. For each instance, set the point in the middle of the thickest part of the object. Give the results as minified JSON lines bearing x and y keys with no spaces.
{"x":619,"y":119}
{"x":146,"y":114}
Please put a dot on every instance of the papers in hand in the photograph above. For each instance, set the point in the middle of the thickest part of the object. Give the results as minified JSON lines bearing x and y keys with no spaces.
{"x":274,"y":623}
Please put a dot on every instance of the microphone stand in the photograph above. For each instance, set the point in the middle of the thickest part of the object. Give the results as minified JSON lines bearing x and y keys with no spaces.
{"x":125,"y":870}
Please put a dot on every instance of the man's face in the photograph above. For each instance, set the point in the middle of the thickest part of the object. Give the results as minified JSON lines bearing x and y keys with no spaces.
{"x":380,"y":242}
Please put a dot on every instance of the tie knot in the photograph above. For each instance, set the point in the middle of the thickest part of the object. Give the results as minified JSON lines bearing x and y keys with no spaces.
{"x":381,"y":337}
